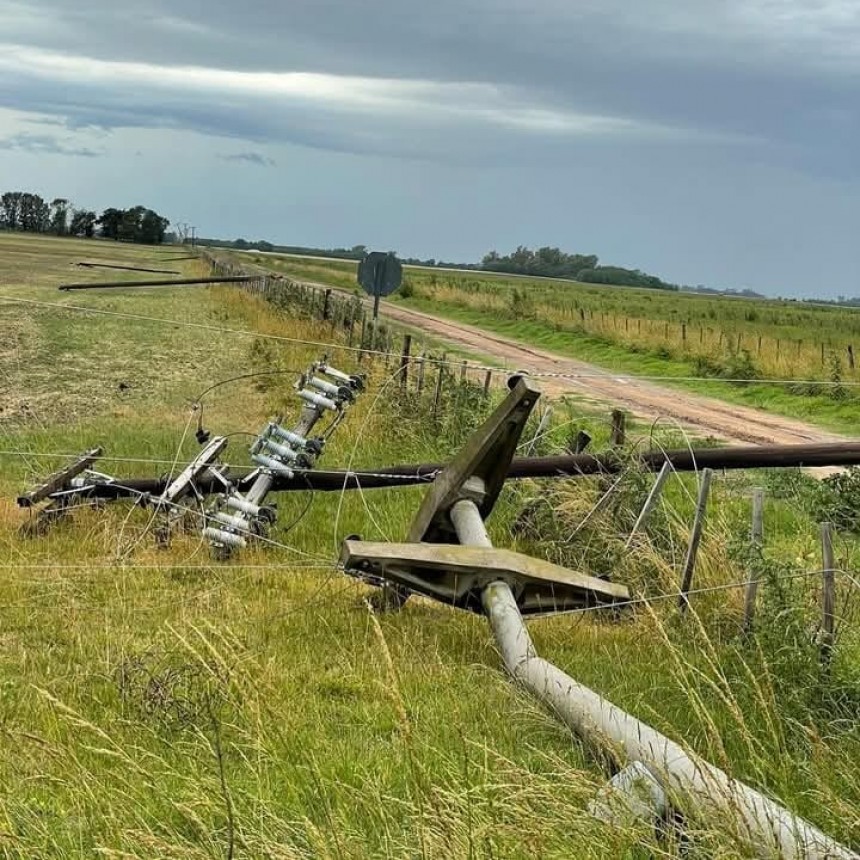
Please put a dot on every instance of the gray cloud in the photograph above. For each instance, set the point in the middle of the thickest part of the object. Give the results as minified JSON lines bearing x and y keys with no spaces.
{"x":782,"y":72}
{"x":665,"y":134}
{"x":249,"y":158}
{"x":45,"y":144}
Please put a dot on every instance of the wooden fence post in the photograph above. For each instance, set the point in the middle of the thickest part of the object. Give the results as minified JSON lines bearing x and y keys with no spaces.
{"x":437,"y":394}
{"x":488,"y":378}
{"x":618,"y":432}
{"x":757,"y":537}
{"x":828,"y":593}
{"x":326,"y":308}
{"x":463,"y":372}
{"x":850,"y":356}
{"x":404,"y":360}
{"x":421,"y":368}
{"x":695,"y":539}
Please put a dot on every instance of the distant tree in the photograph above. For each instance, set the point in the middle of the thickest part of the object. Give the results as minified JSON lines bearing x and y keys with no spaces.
{"x":35,"y":213}
{"x":152,"y":227}
{"x":60,"y":216}
{"x":109,"y":221}
{"x":10,"y":210}
{"x":83,"y":223}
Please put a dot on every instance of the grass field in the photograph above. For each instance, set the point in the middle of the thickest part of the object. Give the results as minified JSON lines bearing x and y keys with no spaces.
{"x":729,"y":348}
{"x":154,"y":703}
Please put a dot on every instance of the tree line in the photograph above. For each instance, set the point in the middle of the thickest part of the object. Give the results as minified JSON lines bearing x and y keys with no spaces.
{"x":554,"y":263}
{"x":30,"y":213}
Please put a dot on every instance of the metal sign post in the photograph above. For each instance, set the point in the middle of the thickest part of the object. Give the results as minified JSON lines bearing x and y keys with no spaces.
{"x":379,"y":274}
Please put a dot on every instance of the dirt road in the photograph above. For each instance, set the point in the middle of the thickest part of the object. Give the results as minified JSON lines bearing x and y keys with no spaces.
{"x":649,"y":401}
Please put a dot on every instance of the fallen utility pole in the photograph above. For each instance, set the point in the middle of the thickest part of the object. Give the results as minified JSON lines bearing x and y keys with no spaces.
{"x":88,"y":265}
{"x":567,"y":465}
{"x":178,"y":282}
{"x":660,"y":775}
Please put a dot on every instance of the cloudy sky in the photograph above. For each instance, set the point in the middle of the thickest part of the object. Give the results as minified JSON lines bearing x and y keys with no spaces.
{"x":707,"y":141}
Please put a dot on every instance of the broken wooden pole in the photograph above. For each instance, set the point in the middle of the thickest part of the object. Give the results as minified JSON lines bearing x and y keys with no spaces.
{"x":178,"y":282}
{"x":557,"y":466}
{"x":88,"y":265}
{"x":695,"y":539}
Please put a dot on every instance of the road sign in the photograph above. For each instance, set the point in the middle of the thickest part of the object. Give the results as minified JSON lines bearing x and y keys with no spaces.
{"x":380,"y":274}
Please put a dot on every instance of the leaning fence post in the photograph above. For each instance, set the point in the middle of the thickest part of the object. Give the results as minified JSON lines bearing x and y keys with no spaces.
{"x":650,"y":502}
{"x":695,"y":538}
{"x":404,"y":360}
{"x":757,"y":535}
{"x":828,"y":593}
{"x":487,"y":380}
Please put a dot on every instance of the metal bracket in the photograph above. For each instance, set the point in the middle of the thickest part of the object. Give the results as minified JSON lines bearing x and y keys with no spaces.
{"x":483,"y":460}
{"x":62,"y":489}
{"x":435,"y":563}
{"x":457,"y":575}
{"x":59,"y":480}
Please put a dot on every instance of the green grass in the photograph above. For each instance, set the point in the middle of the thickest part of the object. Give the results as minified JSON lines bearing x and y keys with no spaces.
{"x":546,"y":313}
{"x":821,"y":409}
{"x":156,"y":703}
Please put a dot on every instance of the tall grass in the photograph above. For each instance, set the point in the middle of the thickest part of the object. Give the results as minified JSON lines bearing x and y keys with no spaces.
{"x":156,"y":703}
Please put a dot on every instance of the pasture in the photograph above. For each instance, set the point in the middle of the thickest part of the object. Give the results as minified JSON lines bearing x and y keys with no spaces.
{"x":792,"y":358}
{"x":155,"y":702}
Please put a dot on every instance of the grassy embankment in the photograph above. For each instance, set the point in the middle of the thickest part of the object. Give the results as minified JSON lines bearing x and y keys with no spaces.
{"x":154,"y":703}
{"x":651,"y":333}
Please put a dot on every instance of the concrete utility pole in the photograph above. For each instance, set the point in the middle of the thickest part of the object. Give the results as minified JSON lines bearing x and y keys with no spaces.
{"x":505,"y":586}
